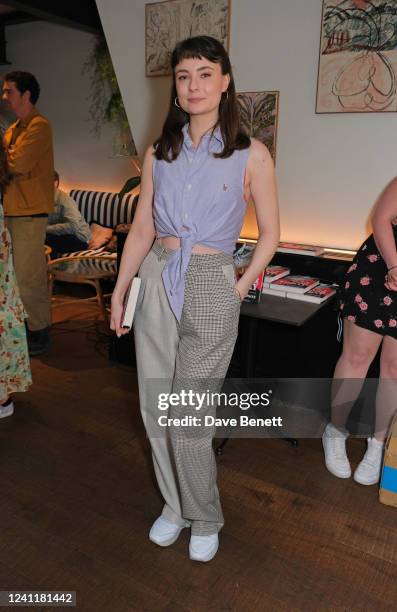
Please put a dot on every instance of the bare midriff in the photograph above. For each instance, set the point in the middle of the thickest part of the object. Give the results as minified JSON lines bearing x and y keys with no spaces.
{"x":174,"y":243}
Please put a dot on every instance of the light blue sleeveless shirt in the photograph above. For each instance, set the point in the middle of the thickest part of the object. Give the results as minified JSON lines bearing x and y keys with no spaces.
{"x":199,"y":199}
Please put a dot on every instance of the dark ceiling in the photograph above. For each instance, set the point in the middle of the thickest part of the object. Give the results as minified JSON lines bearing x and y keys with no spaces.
{"x":80,"y":14}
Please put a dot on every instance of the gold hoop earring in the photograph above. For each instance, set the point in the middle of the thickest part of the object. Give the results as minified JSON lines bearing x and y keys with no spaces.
{"x":176,"y":102}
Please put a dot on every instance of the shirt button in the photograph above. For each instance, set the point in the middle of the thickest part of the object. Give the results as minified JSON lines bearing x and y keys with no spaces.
{"x":190,"y":161}
{"x":189,"y":187}
{"x":186,"y":216}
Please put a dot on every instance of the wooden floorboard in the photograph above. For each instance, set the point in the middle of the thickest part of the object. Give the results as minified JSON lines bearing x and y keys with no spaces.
{"x":78,"y":499}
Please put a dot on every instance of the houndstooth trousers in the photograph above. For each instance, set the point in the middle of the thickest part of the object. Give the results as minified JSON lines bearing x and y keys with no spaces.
{"x":193,"y":354}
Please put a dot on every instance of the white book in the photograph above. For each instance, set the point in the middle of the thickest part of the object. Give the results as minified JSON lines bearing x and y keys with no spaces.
{"x":277,"y":292}
{"x":130,"y":301}
{"x":317,"y":295}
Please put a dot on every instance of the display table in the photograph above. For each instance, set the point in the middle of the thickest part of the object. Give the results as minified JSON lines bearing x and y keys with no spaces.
{"x":285,"y":311}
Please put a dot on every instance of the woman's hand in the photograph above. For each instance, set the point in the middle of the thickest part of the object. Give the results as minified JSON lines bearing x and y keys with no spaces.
{"x":115,"y":316}
{"x":241,"y":291}
{"x":391,"y":280}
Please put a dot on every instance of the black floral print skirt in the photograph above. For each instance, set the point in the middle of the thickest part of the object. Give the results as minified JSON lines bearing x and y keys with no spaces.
{"x":364,"y":298}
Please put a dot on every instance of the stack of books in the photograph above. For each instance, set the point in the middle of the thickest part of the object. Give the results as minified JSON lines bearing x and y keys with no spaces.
{"x":300,"y":249}
{"x":317,"y":295}
{"x":298,"y":287}
{"x":273,"y":273}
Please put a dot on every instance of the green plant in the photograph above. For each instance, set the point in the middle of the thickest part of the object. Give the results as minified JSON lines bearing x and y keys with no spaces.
{"x":129,"y":185}
{"x":106,"y":101}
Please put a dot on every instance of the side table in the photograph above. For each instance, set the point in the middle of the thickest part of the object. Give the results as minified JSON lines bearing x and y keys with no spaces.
{"x":85,"y":271}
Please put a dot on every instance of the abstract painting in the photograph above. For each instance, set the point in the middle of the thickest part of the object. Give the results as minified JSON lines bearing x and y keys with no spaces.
{"x":259,"y":116}
{"x":169,"y":22}
{"x":358,"y":57}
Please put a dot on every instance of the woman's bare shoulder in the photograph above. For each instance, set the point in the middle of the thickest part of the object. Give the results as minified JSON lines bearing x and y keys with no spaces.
{"x":259,"y":152}
{"x":150,"y":151}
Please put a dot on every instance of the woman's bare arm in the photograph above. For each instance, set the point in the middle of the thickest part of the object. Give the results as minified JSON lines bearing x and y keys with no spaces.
{"x":385,"y":211}
{"x":262,"y":184}
{"x":138,"y":243}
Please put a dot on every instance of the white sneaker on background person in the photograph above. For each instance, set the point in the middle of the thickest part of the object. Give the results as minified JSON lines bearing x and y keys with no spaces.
{"x":6,"y":409}
{"x":368,"y":470}
{"x":334,"y":443}
{"x":163,"y":532}
{"x":203,"y":548}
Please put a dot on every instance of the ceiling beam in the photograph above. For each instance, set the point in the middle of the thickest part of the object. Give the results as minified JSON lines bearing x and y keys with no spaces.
{"x":78,"y":14}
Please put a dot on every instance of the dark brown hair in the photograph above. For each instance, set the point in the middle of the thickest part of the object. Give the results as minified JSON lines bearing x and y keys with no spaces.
{"x":169,"y":145}
{"x":24,"y":81}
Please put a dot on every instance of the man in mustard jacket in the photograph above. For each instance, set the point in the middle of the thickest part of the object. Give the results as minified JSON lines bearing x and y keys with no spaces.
{"x":28,"y":200}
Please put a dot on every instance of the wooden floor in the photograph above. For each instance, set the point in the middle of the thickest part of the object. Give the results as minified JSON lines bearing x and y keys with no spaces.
{"x":78,"y":499}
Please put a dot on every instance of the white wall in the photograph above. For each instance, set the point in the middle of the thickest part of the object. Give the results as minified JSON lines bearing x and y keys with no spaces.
{"x":55,"y":55}
{"x":330,"y":167}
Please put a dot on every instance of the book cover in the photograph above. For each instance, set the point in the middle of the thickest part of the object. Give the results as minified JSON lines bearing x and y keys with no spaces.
{"x":130,"y":301}
{"x":273,"y":273}
{"x":295,"y":283}
{"x":317,"y":295}
{"x":299,"y":249}
{"x":254,"y":294}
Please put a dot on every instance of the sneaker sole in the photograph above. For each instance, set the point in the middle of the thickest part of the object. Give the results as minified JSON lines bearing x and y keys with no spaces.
{"x":4,"y":414}
{"x":332,"y":471}
{"x":366,"y":483}
{"x":205,"y":559}
{"x":338,"y":475}
{"x":168,"y":542}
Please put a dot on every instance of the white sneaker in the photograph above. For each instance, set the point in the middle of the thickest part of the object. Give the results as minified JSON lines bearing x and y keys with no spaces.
{"x":368,"y":470}
{"x":163,"y":532}
{"x":6,"y":411}
{"x":203,"y":548}
{"x":334,"y":443}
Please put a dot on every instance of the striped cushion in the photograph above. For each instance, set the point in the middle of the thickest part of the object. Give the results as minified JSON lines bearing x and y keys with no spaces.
{"x":101,"y":252}
{"x":106,"y":208}
{"x":90,"y":266}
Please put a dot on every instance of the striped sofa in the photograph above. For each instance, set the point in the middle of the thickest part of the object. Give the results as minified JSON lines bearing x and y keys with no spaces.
{"x":106,"y":209}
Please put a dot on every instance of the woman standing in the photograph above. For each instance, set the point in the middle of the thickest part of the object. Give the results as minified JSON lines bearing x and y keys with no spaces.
{"x":195,"y":185}
{"x":369,"y":308}
{"x":14,"y":360}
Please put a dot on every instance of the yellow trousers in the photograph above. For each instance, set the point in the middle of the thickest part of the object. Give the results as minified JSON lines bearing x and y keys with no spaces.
{"x":27,"y":238}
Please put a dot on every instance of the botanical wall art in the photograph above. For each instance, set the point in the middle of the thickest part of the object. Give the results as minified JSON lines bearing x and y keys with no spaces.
{"x":358,"y":57}
{"x":172,"y":21}
{"x":259,"y":116}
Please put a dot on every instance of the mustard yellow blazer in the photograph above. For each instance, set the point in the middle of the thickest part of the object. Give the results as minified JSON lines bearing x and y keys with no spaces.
{"x":31,"y":161}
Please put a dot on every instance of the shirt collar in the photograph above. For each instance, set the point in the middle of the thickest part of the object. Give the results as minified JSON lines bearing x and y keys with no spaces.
{"x":213,"y":138}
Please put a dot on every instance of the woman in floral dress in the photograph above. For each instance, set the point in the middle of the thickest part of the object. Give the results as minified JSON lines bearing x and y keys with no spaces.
{"x":14,"y":360}
{"x":369,"y":309}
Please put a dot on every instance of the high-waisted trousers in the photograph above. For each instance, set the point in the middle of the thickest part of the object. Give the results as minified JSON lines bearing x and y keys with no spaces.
{"x":190,"y":355}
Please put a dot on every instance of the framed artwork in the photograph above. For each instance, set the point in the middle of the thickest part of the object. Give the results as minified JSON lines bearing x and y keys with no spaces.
{"x":259,"y":116}
{"x":169,"y":22}
{"x":358,"y":57}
